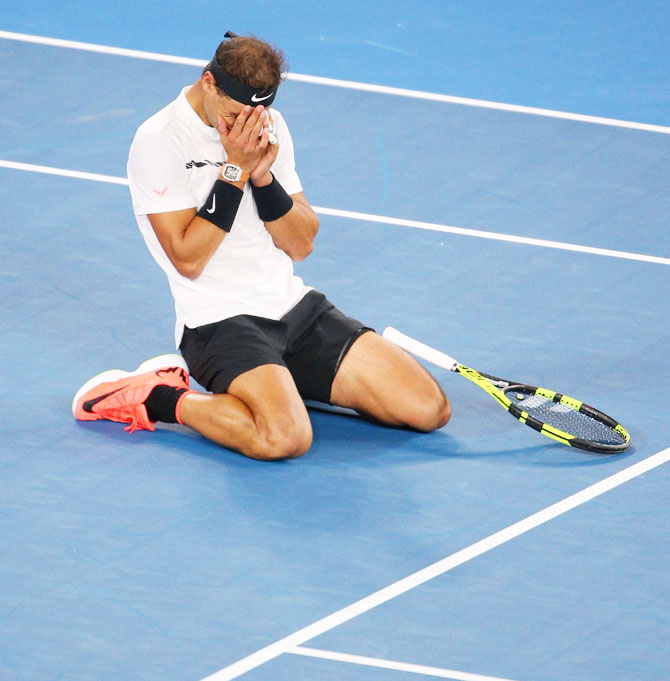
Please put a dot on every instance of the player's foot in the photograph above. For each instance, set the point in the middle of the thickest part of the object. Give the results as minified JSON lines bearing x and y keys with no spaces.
{"x":117,"y":395}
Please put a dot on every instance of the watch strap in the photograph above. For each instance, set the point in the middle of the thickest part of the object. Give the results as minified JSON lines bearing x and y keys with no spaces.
{"x":233,"y":173}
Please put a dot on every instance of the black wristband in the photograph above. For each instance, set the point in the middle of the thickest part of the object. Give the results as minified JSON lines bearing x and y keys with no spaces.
{"x":221,"y":206}
{"x":272,"y":201}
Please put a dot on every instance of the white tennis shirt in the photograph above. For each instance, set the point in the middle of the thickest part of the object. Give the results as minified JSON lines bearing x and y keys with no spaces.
{"x":174,"y":160}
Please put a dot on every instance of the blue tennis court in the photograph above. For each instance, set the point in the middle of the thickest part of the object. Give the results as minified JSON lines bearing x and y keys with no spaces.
{"x":459,"y":203}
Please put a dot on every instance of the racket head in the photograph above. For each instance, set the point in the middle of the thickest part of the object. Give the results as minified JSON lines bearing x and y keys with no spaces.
{"x":566,"y":419}
{"x":558,"y":416}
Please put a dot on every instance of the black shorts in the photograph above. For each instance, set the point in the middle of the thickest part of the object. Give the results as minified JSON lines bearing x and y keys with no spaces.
{"x":310,"y":340}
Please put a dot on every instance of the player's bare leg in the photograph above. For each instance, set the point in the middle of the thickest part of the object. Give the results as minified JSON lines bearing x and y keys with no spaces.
{"x":262,"y":415}
{"x":383,"y":382}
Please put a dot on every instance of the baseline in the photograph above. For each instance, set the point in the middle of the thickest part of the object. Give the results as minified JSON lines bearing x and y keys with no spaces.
{"x":348,"y":84}
{"x":368,"y":217}
{"x":412,"y":581}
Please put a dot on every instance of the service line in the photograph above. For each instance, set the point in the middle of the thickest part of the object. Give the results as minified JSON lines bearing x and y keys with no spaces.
{"x":364,"y":661}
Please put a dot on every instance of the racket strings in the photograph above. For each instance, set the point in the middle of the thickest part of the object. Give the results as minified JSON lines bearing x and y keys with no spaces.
{"x":566,"y":418}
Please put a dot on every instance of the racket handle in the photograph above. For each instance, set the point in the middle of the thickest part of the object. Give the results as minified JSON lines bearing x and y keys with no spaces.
{"x":420,"y":349}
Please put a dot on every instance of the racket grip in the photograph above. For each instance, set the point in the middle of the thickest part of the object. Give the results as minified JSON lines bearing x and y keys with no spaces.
{"x":419,"y":349}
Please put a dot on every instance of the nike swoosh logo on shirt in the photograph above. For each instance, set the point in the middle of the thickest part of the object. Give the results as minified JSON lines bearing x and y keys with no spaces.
{"x":256,"y":98}
{"x":213,"y":208}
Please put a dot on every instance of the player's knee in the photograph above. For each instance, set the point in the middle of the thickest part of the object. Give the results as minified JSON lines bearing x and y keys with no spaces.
{"x":444,"y":412}
{"x":431,"y":413}
{"x":285,"y":441}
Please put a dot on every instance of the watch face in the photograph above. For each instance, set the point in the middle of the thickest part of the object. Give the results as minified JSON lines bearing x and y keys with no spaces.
{"x":232,"y":172}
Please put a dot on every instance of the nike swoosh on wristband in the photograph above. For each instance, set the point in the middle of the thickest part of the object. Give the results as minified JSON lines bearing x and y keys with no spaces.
{"x":213,"y":208}
{"x":256,"y":98}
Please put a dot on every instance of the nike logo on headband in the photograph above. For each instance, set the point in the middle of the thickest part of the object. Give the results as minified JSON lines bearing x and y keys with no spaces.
{"x":256,"y":98}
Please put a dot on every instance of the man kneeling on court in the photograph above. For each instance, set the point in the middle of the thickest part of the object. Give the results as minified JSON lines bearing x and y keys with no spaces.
{"x":221,"y":209}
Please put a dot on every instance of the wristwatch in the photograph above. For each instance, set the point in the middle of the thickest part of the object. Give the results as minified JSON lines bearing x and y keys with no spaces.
{"x":232,"y":173}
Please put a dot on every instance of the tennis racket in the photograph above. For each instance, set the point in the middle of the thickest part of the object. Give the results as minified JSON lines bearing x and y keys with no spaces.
{"x":557,"y":416}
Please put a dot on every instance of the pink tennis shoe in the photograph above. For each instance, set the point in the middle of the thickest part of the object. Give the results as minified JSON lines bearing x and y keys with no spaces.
{"x":117,"y":395}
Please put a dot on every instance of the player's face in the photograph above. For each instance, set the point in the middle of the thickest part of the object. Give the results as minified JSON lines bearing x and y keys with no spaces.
{"x":217,"y":104}
{"x":228,"y":109}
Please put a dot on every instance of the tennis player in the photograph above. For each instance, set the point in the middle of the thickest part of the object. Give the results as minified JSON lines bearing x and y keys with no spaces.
{"x":221,"y":208}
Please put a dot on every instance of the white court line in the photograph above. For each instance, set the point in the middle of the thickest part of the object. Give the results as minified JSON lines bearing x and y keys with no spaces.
{"x":496,"y":236}
{"x":103,"y":49}
{"x":347,"y":84}
{"x":367,"y":217}
{"x":47,"y":170}
{"x":292,"y":641}
{"x":390,"y":664}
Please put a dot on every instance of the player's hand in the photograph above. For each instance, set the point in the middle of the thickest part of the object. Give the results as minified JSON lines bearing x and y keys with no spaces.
{"x":247,"y":140}
{"x":261,"y":174}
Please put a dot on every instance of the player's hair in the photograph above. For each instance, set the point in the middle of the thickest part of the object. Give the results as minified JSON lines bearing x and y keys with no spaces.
{"x":252,"y":61}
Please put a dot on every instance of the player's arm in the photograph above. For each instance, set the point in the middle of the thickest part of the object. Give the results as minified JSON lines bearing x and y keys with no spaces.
{"x":189,"y":237}
{"x":294,"y":231}
{"x":289,"y":219}
{"x":188,"y":240}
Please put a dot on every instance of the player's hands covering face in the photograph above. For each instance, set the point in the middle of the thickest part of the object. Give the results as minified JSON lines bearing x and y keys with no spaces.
{"x":247,"y":141}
